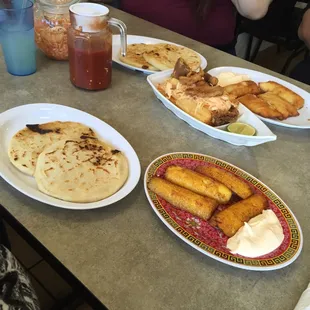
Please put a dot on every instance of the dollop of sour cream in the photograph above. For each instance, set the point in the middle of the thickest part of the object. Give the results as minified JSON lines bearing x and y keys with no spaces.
{"x":260,"y":236}
{"x":228,"y":78}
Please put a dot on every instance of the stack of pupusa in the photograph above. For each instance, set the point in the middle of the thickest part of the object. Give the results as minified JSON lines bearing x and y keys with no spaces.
{"x":68,"y":161}
{"x":159,"y":57}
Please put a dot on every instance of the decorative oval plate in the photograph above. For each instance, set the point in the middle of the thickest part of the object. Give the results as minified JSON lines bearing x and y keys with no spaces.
{"x":210,"y":241}
{"x":263,"y":133}
{"x":16,"y":119}
{"x":133,"y":39}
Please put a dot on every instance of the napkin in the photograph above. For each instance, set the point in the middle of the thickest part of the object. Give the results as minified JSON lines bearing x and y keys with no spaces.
{"x":304,"y":300}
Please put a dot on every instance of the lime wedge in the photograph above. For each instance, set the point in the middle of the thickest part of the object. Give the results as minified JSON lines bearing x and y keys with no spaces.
{"x":241,"y":129}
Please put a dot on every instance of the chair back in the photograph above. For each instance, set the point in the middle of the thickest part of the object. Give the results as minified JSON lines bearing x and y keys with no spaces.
{"x":277,"y":20}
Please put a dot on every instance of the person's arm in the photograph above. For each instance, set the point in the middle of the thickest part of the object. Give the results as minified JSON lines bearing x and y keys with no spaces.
{"x":252,"y":9}
{"x":304,"y":28}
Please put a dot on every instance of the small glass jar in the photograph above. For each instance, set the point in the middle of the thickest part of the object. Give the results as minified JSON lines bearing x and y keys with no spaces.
{"x":90,"y":45}
{"x":51,"y":23}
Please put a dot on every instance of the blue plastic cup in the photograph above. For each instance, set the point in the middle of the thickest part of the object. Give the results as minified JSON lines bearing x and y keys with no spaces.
{"x":17,"y":36}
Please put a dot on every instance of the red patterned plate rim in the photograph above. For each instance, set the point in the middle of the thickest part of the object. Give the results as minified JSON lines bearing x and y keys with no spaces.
{"x":200,"y":235}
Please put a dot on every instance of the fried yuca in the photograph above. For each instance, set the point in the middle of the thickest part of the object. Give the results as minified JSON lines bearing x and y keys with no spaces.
{"x":190,"y":106}
{"x":259,"y":106}
{"x":283,"y":92}
{"x":242,"y":88}
{"x":236,"y":185}
{"x":284,"y":107}
{"x":198,"y":183}
{"x":183,"y":198}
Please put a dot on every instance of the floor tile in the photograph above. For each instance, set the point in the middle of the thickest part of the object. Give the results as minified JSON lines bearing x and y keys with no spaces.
{"x":51,"y":280}
{"x":21,"y":249}
{"x":84,"y":307}
{"x":46,"y":301}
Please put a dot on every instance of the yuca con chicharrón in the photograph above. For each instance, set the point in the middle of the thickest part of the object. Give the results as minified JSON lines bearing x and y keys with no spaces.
{"x":193,"y":93}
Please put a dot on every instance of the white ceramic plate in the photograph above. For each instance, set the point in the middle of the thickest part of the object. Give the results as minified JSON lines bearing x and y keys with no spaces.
{"x":263,"y":133}
{"x":131,"y":39}
{"x":15,"y":119}
{"x":302,"y":121}
{"x":200,"y":235}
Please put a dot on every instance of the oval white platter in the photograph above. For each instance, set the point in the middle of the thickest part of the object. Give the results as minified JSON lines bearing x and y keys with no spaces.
{"x":208,"y":240}
{"x":132,"y":39}
{"x":301,"y":122}
{"x":263,"y":133}
{"x":15,"y":119}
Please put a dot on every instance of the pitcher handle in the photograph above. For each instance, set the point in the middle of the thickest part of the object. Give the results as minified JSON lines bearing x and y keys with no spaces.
{"x":123,"y":31}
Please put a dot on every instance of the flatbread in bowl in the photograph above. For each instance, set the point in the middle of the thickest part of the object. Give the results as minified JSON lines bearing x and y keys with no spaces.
{"x":134,"y":56}
{"x":166,"y":56}
{"x":84,"y":170}
{"x":27,"y":144}
{"x":160,"y":56}
{"x":16,"y":119}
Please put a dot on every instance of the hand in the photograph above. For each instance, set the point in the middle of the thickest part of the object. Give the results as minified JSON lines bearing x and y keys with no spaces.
{"x":252,"y":9}
{"x":304,"y":28}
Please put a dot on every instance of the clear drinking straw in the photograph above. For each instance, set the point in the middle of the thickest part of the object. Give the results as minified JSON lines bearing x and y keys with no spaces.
{"x":21,"y":17}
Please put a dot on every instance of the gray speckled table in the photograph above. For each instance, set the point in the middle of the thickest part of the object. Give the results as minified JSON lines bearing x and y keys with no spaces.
{"x":123,"y":253}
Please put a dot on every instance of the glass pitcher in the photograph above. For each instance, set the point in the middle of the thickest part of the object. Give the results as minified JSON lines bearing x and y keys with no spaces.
{"x":90,"y":45}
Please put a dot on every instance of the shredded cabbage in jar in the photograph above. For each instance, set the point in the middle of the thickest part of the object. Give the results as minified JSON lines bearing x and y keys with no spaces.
{"x":51,"y":35}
